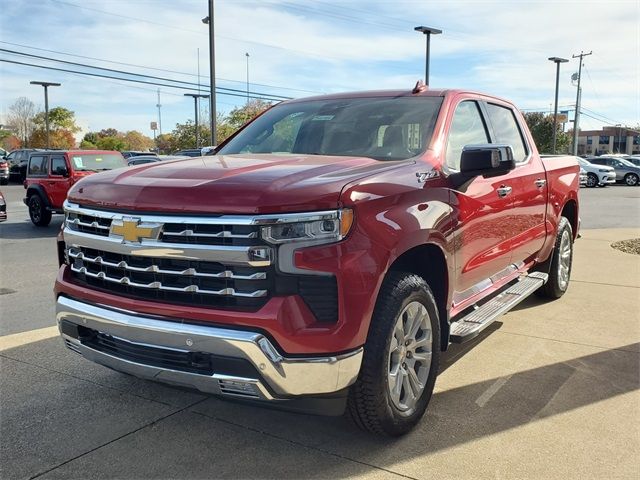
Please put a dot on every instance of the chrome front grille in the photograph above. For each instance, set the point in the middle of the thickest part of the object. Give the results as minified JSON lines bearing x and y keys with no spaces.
{"x":217,"y":261}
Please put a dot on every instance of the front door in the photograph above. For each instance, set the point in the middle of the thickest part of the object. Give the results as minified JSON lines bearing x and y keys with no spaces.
{"x":59,"y":181}
{"x":482,"y":223}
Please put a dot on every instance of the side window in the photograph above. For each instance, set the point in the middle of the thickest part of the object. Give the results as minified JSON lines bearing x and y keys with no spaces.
{"x":506,"y":130}
{"x":58,"y":166}
{"x":38,"y":165}
{"x":467,"y":128}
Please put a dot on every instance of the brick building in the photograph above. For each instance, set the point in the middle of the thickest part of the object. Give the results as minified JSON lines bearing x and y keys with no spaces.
{"x":609,"y":140}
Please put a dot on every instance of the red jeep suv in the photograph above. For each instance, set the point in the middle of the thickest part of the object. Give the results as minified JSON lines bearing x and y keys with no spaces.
{"x":50,"y":175}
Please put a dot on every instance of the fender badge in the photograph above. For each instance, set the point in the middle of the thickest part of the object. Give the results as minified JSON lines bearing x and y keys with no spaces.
{"x":424,"y":176}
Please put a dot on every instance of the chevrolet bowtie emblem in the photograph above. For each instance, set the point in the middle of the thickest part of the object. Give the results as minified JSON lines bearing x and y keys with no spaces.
{"x":131,"y":231}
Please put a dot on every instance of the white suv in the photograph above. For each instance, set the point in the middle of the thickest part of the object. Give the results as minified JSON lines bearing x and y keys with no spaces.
{"x":597,"y":174}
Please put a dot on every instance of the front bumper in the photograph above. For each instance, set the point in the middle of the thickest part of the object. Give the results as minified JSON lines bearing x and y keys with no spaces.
{"x":608,"y":178}
{"x":275,"y":378}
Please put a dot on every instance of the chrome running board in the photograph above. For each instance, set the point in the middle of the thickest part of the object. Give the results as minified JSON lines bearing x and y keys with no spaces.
{"x":472,"y":324}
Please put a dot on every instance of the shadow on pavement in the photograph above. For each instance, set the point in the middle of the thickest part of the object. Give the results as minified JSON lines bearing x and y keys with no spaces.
{"x":21,"y":230}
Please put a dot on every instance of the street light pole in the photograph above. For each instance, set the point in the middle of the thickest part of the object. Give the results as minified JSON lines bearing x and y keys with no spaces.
{"x":428,"y":31}
{"x":46,"y":86}
{"x":247,"y":77}
{"x":209,"y":20}
{"x":557,"y":61}
{"x":195,"y":97}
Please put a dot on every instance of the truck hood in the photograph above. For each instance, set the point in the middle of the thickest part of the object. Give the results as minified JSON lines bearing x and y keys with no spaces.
{"x":244,"y":184}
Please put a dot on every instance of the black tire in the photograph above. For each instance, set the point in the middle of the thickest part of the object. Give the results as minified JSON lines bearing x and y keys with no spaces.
{"x":40,"y":216}
{"x":4,"y":181}
{"x":370,"y":404}
{"x":556,"y":286}
{"x":631,"y":179}
{"x":592,"y":180}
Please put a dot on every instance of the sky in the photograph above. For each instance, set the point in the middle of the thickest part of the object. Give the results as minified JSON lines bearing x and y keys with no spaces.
{"x":309,"y":47}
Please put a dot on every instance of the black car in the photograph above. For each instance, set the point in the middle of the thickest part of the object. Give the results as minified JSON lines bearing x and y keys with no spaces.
{"x":18,"y":163}
{"x":190,"y":152}
{"x":130,"y":153}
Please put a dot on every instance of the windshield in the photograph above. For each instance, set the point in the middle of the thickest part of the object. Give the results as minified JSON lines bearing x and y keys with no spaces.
{"x":97,"y":162}
{"x":583,"y":162}
{"x":381,"y":128}
{"x":626,"y":162}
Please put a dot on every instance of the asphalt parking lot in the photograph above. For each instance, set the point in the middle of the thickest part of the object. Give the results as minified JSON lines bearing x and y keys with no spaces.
{"x":550,"y":391}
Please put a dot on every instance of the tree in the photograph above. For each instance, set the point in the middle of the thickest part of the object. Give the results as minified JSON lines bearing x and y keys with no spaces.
{"x":8,"y":140}
{"x":137,"y":141}
{"x":59,"y":118}
{"x":58,"y":138}
{"x":541,"y":127}
{"x":91,"y":137}
{"x":241,"y":115}
{"x":111,"y":143}
{"x":165,"y":143}
{"x":20,"y":118}
{"x":184,"y":135}
{"x":62,"y":126}
{"x":86,"y":145}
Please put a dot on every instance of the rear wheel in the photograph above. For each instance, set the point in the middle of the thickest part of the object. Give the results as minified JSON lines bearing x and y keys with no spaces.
{"x":561,"y":260}
{"x":40,"y":216}
{"x":401,"y":358}
{"x":592,"y":180}
{"x":631,"y":179}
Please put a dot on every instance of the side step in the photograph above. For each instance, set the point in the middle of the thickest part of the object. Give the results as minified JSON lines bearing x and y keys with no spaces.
{"x":471,"y":325}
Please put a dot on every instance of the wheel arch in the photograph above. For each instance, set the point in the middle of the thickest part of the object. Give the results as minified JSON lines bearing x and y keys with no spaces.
{"x":37,"y":189}
{"x":570,"y":212}
{"x":430,"y":262}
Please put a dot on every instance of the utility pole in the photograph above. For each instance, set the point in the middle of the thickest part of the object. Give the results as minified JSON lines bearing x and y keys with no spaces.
{"x":247,"y":54}
{"x":159,"y":114}
{"x":46,"y":86}
{"x":557,"y":61}
{"x":195,"y":97}
{"x":209,"y":20}
{"x":576,"y":118}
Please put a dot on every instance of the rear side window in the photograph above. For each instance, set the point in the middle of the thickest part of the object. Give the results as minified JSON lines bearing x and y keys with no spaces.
{"x":506,"y":130}
{"x":467,"y":128}
{"x":58,"y":166}
{"x":38,"y":165}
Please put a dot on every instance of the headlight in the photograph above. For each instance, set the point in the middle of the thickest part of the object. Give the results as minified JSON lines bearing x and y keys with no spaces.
{"x":602,"y":170}
{"x":316,"y":228}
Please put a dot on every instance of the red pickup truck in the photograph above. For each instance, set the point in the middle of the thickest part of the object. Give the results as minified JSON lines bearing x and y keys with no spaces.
{"x":324,"y":257}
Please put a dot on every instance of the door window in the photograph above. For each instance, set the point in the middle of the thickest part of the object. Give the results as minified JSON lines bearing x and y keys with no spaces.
{"x":58,"y":166}
{"x":38,"y":165}
{"x":467,"y":128}
{"x":506,"y":130}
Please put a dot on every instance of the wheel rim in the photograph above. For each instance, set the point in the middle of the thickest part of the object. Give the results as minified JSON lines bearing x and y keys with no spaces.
{"x":591,"y":181}
{"x":564,"y":261}
{"x":409,"y":357}
{"x":34,"y":209}
{"x":632,"y":180}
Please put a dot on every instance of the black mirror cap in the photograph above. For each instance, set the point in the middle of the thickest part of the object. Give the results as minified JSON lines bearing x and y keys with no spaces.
{"x":487,"y":160}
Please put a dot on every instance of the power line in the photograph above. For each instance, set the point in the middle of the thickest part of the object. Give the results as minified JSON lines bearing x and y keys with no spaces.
{"x":243,"y":94}
{"x":153,"y":68}
{"x":124,"y":72}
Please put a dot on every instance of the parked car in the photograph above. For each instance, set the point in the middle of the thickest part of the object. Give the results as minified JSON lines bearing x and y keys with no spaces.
{"x":626,"y":172}
{"x":193,"y":152}
{"x":4,"y":171}
{"x":51,"y":173}
{"x":207,"y":150}
{"x":597,"y":175}
{"x":324,"y":265}
{"x":130,"y":153}
{"x":18,"y":163}
{"x":148,"y":159}
{"x":635,"y":159}
{"x":3,"y":208}
{"x":583,"y":177}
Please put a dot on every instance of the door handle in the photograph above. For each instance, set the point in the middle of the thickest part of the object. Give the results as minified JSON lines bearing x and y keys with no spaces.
{"x":503,"y":191}
{"x":540,"y":182}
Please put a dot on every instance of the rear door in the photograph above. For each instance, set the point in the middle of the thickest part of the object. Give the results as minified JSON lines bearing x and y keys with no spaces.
{"x":59,"y":180}
{"x":528,"y":182}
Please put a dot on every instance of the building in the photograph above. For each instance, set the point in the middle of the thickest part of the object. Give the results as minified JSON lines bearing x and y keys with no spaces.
{"x":615,"y":139}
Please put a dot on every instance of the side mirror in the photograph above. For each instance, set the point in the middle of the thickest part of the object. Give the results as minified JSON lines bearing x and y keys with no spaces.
{"x":63,"y":171}
{"x":487,"y":160}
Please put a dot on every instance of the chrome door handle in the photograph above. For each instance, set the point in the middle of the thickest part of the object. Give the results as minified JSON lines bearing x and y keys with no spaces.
{"x":503,"y":191}
{"x":540,"y":183}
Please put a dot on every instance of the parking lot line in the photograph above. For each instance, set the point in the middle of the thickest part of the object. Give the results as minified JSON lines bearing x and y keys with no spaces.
{"x":30,"y":336}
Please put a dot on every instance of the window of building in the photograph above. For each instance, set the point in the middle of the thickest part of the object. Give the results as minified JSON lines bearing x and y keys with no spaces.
{"x":604,"y":139}
{"x":506,"y":130}
{"x":589,"y":140}
{"x":467,"y":128}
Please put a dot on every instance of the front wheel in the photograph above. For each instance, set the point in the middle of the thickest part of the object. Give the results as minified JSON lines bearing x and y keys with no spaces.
{"x":561,"y":260}
{"x":401,"y":358}
{"x":592,"y":180}
{"x":40,"y":216}
{"x":631,"y":179}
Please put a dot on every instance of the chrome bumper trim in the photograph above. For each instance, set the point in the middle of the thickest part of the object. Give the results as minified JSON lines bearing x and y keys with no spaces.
{"x":285,"y":377}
